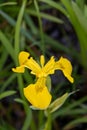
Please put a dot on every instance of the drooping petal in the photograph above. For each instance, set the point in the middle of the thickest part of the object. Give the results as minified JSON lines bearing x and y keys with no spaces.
{"x":38,"y":96}
{"x":23,"y":57}
{"x":19,"y":69}
{"x":69,"y":77}
{"x":42,"y":60}
{"x":49,"y":67}
{"x":65,"y":66}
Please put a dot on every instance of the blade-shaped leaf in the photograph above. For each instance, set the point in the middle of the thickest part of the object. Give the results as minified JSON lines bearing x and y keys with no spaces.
{"x":80,"y":15}
{"x":6,"y":43}
{"x":58,"y":103}
{"x":7,"y":93}
{"x":56,"y":5}
{"x":8,"y":3}
{"x":44,"y":15}
{"x":75,"y":122}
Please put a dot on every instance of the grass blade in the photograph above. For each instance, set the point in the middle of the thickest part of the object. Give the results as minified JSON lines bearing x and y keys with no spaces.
{"x":7,"y":93}
{"x":6,"y":43}
{"x":77,"y":121}
{"x":55,"y":5}
{"x":17,"y":30}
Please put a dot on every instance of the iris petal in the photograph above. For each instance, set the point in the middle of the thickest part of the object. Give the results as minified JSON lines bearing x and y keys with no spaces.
{"x":33,"y":66}
{"x":19,"y":69}
{"x":42,"y":60}
{"x":39,"y":99}
{"x":65,"y":66}
{"x":38,"y":95}
{"x":23,"y":57}
{"x":49,"y":67}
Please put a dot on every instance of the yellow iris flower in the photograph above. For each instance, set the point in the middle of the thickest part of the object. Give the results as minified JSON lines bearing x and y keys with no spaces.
{"x":37,"y":94}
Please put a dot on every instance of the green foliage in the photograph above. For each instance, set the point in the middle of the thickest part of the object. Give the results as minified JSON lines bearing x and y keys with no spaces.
{"x":6,"y":93}
{"x":77,"y":17}
{"x":21,"y":28}
{"x":58,"y":103}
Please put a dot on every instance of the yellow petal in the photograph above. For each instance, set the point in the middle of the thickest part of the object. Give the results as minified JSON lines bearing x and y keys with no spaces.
{"x":69,"y":77}
{"x":19,"y":69}
{"x":38,"y":97}
{"x":33,"y":66}
{"x":66,"y":67}
{"x":49,"y":67}
{"x":23,"y":57}
{"x":42,"y":60}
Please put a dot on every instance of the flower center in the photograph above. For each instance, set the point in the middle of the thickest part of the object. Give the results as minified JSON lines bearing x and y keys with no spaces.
{"x":42,"y":74}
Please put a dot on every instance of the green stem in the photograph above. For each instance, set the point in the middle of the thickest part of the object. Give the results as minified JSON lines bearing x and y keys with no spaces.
{"x":17,"y":30}
{"x":40,"y":24}
{"x":19,"y":76}
{"x":40,"y":118}
{"x":48,"y":123}
{"x":17,"y":43}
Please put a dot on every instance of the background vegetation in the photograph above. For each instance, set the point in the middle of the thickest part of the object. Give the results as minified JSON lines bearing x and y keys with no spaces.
{"x":48,"y":27}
